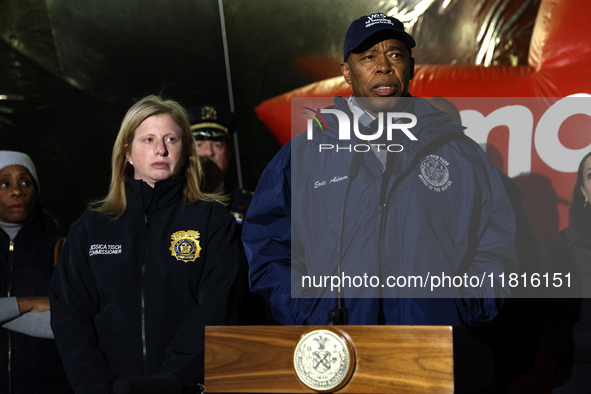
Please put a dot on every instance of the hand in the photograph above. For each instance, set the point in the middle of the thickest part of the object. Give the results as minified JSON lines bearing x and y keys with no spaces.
{"x":33,"y":304}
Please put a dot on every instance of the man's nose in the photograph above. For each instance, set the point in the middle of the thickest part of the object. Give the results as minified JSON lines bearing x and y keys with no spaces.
{"x":383,"y":65}
{"x":207,"y":150}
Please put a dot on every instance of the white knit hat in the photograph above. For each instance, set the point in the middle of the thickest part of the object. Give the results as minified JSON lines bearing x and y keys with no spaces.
{"x":11,"y":158}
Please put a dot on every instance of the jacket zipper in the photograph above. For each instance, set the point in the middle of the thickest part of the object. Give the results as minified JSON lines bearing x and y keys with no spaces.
{"x":11,"y":258}
{"x":384,"y":206}
{"x":143,"y":294}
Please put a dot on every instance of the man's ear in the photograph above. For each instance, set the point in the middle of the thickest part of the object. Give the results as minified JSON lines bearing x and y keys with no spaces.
{"x":345,"y":70}
{"x":412,"y":68}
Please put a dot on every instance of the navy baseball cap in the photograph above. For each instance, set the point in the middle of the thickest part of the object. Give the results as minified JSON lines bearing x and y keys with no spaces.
{"x":368,"y":25}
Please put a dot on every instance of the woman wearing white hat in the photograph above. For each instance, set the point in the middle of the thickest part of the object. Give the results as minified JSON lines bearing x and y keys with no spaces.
{"x":29,"y":361}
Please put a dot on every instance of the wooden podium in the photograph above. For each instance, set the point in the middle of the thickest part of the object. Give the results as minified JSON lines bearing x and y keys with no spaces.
{"x":388,"y":359}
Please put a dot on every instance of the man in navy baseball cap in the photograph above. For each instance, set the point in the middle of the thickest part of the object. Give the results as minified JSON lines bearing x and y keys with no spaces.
{"x":407,"y":207}
{"x":377,"y":60}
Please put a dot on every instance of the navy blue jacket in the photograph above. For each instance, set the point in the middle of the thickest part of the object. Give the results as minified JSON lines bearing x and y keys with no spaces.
{"x":122,"y":302}
{"x":463,"y":224}
{"x":34,"y":365}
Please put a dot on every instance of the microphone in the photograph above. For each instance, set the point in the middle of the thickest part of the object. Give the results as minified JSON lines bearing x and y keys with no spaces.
{"x":149,"y":385}
{"x":339,"y":315}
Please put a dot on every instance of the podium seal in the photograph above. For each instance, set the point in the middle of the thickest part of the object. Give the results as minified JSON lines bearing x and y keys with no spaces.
{"x":324,"y":360}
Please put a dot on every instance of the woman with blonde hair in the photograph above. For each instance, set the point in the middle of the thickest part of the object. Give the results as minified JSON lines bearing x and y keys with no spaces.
{"x":144,"y":270}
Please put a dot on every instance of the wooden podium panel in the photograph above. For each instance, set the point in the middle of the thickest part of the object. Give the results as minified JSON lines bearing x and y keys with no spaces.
{"x":389,"y":359}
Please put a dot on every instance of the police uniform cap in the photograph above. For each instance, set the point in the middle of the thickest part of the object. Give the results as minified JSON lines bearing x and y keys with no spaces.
{"x":209,"y":122}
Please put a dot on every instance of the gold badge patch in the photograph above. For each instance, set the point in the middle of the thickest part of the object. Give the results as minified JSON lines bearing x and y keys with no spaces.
{"x":185,"y":245}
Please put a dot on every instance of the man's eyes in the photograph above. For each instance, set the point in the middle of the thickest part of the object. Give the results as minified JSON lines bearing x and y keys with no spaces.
{"x":395,"y":55}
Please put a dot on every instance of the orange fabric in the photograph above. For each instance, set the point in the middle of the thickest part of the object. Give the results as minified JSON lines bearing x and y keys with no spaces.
{"x":57,"y":250}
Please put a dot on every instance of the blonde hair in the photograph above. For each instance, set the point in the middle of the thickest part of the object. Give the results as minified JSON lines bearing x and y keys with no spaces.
{"x":115,"y":203}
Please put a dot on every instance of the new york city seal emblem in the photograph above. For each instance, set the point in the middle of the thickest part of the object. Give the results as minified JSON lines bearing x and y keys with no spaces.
{"x":185,"y":245}
{"x":323,"y":360}
{"x":434,"y":173}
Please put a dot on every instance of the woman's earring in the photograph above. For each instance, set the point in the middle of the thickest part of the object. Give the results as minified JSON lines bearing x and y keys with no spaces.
{"x":131,"y":162}
{"x":585,"y":204}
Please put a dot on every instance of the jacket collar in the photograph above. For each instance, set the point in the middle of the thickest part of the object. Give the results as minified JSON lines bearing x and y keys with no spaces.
{"x":431,"y":123}
{"x":29,"y":231}
{"x":165,"y":193}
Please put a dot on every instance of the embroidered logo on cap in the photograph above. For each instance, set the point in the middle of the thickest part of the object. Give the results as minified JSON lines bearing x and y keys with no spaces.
{"x":374,"y":19}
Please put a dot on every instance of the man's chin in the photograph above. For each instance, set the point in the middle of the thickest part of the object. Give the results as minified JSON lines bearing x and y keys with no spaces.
{"x":381,"y":104}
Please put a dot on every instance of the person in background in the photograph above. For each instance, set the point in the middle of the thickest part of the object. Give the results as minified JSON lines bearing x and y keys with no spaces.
{"x":210,"y":127}
{"x":566,"y":326}
{"x":513,"y":335}
{"x":211,"y":130}
{"x":144,"y":270}
{"x":446,"y":106}
{"x":29,"y":361}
